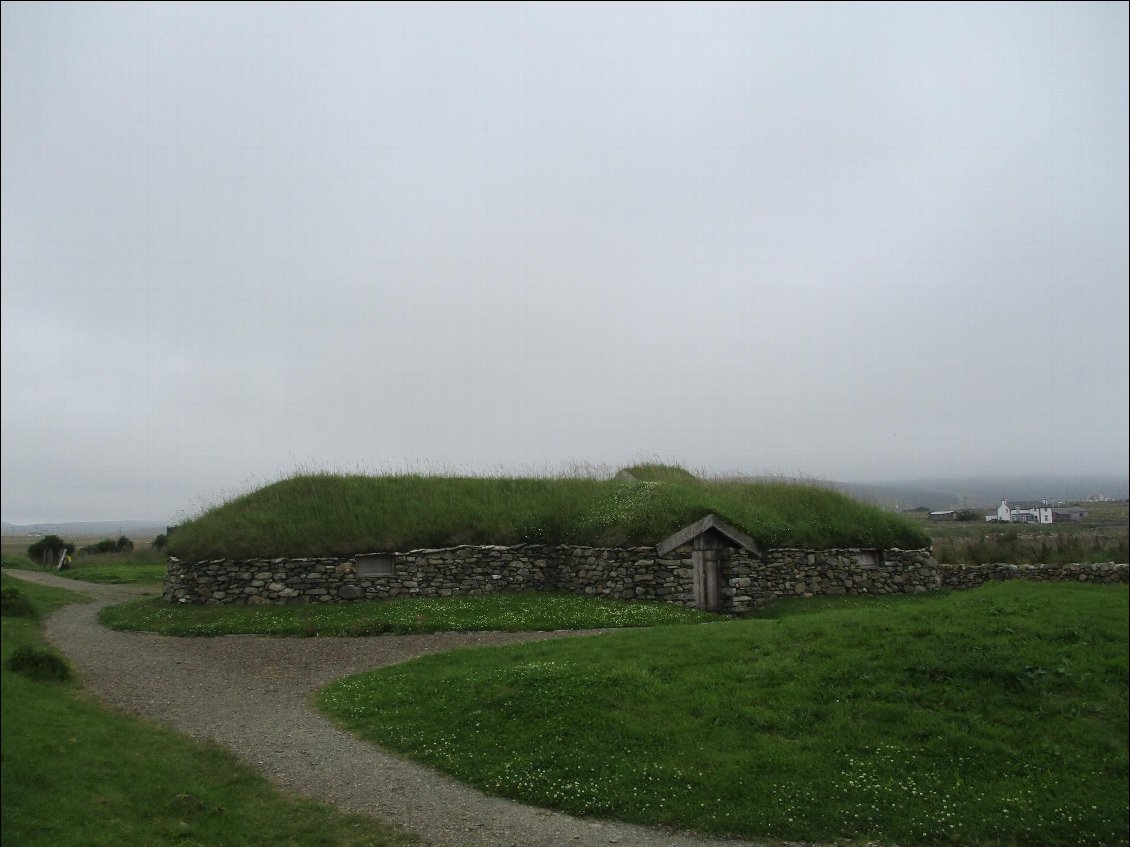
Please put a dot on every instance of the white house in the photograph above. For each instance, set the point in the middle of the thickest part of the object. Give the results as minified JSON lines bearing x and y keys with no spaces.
{"x":1041,"y":513}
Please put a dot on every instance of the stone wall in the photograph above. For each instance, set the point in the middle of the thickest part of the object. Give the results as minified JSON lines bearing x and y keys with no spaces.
{"x":970,"y":576}
{"x":622,"y":573}
{"x":748,"y":582}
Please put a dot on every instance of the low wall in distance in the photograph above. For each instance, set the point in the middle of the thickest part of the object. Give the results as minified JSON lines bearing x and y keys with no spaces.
{"x":970,"y":576}
{"x":622,"y":573}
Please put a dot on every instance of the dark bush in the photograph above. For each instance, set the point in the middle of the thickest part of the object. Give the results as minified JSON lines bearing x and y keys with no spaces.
{"x":106,"y":545}
{"x":15,"y":604}
{"x":39,"y":664}
{"x":47,"y":550}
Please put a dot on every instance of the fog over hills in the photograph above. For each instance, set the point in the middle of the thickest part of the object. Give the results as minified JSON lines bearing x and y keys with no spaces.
{"x":88,"y":529}
{"x":975,"y":492}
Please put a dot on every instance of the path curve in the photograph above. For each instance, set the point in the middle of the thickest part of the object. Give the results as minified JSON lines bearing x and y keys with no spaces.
{"x":252,"y":694}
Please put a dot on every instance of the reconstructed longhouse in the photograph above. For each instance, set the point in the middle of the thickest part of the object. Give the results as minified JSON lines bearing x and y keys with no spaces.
{"x":651,"y":533}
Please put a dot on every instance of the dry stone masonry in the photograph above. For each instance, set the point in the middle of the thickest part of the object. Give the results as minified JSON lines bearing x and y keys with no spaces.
{"x":747,"y":580}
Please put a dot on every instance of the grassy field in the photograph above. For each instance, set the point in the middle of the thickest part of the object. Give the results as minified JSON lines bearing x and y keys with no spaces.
{"x":991,"y":717}
{"x":76,"y":775}
{"x":1102,"y":536}
{"x":494,"y":612}
{"x":116,"y":569}
{"x":329,"y":515}
{"x":16,"y":545}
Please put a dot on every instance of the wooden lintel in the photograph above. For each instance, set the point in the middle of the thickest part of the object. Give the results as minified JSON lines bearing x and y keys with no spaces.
{"x":711,"y":522}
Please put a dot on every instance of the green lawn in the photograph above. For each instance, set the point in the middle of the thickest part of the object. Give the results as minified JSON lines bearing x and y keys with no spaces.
{"x":76,"y":775}
{"x":491,"y":612}
{"x":989,"y":717}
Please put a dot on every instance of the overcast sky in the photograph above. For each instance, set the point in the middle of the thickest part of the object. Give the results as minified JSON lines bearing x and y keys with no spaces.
{"x":854,"y":242}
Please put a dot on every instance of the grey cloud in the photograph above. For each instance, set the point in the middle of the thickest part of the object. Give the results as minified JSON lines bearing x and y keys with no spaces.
{"x":886,"y":241}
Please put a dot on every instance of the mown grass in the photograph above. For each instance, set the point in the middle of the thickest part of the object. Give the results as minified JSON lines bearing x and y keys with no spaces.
{"x":991,"y":717}
{"x":491,"y":612}
{"x":325,"y":514}
{"x":116,"y":570}
{"x":76,"y":775}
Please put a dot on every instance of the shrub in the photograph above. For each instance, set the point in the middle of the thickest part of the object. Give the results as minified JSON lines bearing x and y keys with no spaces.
{"x":108,"y":545}
{"x":47,"y":549}
{"x":39,"y":664}
{"x":15,"y":604}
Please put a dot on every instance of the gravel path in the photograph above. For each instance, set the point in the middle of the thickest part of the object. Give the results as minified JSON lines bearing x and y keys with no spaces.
{"x":252,"y":695}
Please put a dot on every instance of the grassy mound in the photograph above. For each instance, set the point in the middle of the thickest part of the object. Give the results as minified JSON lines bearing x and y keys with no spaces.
{"x":996,"y":716}
{"x":325,"y":514}
{"x":659,"y":473}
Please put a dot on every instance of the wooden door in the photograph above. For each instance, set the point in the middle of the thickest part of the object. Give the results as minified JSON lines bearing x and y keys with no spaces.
{"x":706,"y":560}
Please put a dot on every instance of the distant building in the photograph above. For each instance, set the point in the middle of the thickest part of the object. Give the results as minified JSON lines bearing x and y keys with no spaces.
{"x":1038,"y":513}
{"x":1068,"y":513}
{"x":950,"y":515}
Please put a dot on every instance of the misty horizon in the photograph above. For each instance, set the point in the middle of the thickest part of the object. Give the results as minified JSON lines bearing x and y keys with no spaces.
{"x":939,"y":490}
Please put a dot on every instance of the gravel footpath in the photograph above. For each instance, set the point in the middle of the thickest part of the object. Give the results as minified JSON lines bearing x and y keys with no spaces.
{"x":252,"y":695}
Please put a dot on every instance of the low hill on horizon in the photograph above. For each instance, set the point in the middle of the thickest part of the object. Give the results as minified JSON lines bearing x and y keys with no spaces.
{"x":86,"y":529}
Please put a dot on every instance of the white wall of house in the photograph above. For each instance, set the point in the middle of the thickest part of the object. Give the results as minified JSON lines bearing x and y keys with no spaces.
{"x":1007,"y":514}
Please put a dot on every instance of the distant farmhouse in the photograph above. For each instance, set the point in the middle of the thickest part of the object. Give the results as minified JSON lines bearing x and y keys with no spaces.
{"x":1041,"y":513}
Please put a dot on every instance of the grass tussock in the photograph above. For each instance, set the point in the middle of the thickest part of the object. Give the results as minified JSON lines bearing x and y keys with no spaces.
{"x":325,"y":514}
{"x":39,"y":663}
{"x":654,"y":472}
{"x":488,"y":613}
{"x":77,"y":775}
{"x":996,"y":716}
{"x":14,"y":603}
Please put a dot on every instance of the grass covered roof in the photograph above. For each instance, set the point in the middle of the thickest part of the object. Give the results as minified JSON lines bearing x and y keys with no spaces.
{"x":326,"y":514}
